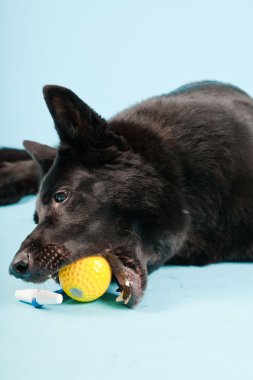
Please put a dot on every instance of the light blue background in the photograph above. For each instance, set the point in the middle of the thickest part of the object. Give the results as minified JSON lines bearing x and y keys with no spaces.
{"x":114,"y":53}
{"x":194,"y":323}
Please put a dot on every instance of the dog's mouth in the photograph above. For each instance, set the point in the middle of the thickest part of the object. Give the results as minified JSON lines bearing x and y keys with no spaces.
{"x":127,"y":271}
{"x":55,"y":277}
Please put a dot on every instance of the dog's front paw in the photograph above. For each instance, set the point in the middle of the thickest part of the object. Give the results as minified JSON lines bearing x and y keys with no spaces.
{"x":131,"y":277}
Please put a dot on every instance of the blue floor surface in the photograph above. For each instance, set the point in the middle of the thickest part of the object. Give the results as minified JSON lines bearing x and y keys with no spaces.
{"x":193,"y":323}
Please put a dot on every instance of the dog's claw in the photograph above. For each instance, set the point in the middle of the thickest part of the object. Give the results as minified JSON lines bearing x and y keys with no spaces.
{"x":120,"y":298}
{"x":125,"y":294}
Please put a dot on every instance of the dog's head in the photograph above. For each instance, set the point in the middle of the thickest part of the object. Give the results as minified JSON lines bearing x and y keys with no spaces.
{"x":96,"y":195}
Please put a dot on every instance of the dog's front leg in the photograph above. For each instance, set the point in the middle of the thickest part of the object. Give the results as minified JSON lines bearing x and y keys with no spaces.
{"x":20,"y":174}
{"x":17,"y":179}
{"x":131,"y":275}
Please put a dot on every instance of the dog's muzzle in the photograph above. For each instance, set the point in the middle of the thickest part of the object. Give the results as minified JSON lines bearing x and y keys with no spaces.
{"x":35,"y":263}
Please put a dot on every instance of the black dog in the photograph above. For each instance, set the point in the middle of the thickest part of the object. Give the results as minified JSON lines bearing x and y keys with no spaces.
{"x":169,"y":180}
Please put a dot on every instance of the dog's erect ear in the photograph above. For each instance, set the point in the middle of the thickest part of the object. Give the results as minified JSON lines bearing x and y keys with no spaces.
{"x":73,"y":118}
{"x":43,"y":155}
{"x":75,"y":122}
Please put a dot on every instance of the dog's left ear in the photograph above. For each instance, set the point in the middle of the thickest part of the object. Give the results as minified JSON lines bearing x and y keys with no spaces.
{"x":42,"y":154}
{"x":77,"y":123}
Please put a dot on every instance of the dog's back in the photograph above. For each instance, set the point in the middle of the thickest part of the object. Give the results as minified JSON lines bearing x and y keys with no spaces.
{"x":207,"y":127}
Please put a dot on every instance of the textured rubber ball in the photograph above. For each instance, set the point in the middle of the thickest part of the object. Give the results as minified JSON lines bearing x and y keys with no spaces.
{"x":86,"y":279}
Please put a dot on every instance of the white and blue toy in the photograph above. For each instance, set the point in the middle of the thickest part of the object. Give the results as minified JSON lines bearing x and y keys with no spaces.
{"x":38,"y":297}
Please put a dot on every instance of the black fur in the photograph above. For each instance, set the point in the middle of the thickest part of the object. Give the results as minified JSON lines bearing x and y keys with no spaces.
{"x":169,"y":180}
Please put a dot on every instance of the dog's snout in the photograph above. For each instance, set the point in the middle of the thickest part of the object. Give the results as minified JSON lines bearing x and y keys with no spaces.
{"x":19,"y":266}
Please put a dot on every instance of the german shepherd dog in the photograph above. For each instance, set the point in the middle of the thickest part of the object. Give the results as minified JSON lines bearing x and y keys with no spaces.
{"x":167,"y":181}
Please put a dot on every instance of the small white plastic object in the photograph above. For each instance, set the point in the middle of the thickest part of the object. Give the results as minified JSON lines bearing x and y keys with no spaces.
{"x":38,"y":296}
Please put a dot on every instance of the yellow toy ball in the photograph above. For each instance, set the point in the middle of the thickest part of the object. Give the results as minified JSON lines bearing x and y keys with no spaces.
{"x":86,"y":279}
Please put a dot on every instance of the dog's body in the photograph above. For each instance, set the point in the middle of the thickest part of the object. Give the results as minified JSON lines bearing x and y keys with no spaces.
{"x":169,"y":180}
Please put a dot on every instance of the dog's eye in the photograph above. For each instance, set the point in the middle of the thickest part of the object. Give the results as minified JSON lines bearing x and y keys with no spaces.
{"x":60,"y":196}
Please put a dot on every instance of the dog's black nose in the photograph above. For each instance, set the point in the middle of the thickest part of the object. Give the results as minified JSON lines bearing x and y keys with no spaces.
{"x":19,"y":265}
